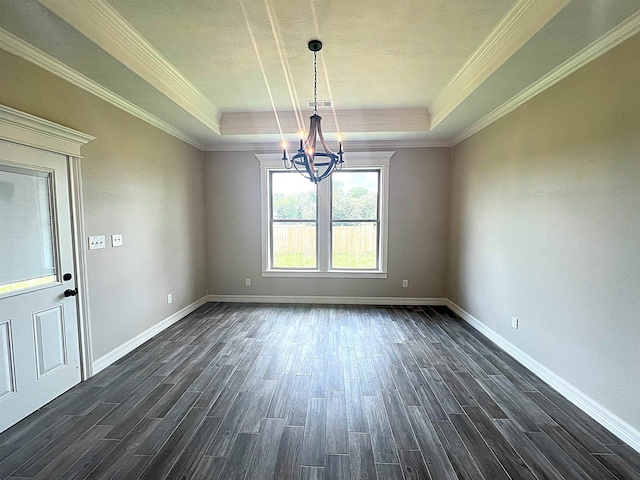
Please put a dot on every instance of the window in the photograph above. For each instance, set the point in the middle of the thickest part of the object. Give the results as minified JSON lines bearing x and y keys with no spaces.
{"x":337,"y":228}
{"x":27,"y":247}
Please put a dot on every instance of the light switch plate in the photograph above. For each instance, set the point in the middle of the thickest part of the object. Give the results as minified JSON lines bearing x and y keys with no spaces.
{"x":97,"y":242}
{"x":116,"y":240}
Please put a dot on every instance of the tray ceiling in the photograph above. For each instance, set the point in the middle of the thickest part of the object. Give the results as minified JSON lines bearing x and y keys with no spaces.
{"x":410,"y":72}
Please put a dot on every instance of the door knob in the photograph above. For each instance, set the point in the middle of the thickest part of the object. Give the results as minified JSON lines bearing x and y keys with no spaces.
{"x":71,"y":293}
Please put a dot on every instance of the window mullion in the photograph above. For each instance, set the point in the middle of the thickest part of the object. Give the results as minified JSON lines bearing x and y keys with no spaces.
{"x":324,"y":222}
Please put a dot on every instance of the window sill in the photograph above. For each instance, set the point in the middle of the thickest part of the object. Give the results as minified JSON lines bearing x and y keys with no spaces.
{"x":329,"y":274}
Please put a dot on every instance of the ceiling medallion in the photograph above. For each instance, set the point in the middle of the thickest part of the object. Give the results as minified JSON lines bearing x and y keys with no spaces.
{"x":309,"y":162}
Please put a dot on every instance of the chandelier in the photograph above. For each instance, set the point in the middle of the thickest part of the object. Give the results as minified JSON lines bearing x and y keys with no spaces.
{"x":310,"y":162}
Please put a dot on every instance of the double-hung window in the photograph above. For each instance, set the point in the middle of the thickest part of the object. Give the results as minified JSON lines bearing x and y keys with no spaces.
{"x":337,"y":228}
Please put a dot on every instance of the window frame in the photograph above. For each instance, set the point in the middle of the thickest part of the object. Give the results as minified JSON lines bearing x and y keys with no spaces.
{"x":354,"y":161}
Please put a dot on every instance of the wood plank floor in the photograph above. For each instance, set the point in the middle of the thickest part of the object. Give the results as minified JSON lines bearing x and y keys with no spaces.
{"x":255,"y":391}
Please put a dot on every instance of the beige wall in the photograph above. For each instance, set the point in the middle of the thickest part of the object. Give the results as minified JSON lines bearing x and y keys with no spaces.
{"x":545,"y":226}
{"x":138,"y":181}
{"x":418,"y":206}
{"x":542,"y":222}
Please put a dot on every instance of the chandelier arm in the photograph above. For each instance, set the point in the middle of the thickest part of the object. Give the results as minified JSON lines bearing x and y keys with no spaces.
{"x":310,"y":141}
{"x":328,"y":171}
{"x":322,"y":141}
{"x":311,"y":144}
{"x":309,"y":169}
{"x":311,"y":172}
{"x":304,"y":172}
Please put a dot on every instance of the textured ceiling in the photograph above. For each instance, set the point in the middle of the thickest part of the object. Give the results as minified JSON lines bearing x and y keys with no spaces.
{"x":407,"y":72}
{"x":378,"y":53}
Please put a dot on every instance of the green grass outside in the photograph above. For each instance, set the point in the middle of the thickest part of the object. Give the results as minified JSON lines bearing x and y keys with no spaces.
{"x":350,"y":261}
{"x":294,"y":260}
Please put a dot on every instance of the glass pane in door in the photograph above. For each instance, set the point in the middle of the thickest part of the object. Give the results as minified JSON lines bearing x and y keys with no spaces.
{"x":27,"y":257}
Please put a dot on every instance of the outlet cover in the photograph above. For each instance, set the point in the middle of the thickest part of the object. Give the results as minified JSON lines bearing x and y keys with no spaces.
{"x":97,"y":242}
{"x":247,"y":282}
{"x":515,"y":323}
{"x":405,"y":283}
{"x":169,"y":298}
{"x":116,"y":240}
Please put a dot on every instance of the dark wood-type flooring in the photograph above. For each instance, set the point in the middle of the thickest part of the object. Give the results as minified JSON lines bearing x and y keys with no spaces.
{"x":237,"y":391}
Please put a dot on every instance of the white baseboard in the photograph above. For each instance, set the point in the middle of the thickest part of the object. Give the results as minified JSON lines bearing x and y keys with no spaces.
{"x":130,"y":345}
{"x":327,"y":300}
{"x":600,"y":414}
{"x":119,"y":352}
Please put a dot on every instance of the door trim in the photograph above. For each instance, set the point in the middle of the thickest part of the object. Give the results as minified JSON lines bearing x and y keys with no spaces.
{"x":31,"y":131}
{"x":81,"y":274}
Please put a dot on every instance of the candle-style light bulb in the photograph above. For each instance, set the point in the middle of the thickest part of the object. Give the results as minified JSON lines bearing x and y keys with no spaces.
{"x":301,"y":134}
{"x":284,"y":144}
{"x":340,"y":137}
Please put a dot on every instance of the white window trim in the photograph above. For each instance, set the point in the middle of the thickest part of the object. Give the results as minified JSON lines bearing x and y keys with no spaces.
{"x":379,"y":160}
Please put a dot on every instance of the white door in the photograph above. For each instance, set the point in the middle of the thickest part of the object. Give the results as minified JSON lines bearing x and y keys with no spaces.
{"x":39,"y":350}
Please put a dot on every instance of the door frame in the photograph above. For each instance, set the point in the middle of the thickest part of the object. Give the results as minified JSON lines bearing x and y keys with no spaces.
{"x":31,"y":131}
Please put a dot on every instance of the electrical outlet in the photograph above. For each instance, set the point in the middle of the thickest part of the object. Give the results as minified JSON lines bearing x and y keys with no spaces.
{"x":170,"y":298}
{"x":405,"y":283}
{"x":97,"y":242}
{"x":247,"y":282}
{"x":116,"y":240}
{"x":515,"y":323}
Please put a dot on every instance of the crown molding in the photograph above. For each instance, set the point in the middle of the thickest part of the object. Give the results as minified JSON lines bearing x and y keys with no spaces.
{"x":26,"y":129}
{"x":22,"y":49}
{"x":617,"y":35}
{"x":520,"y":23}
{"x":103,"y":25}
{"x":353,"y":146}
{"x":370,"y":120}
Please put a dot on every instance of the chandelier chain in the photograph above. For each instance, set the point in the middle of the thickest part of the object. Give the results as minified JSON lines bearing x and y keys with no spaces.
{"x":315,"y":83}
